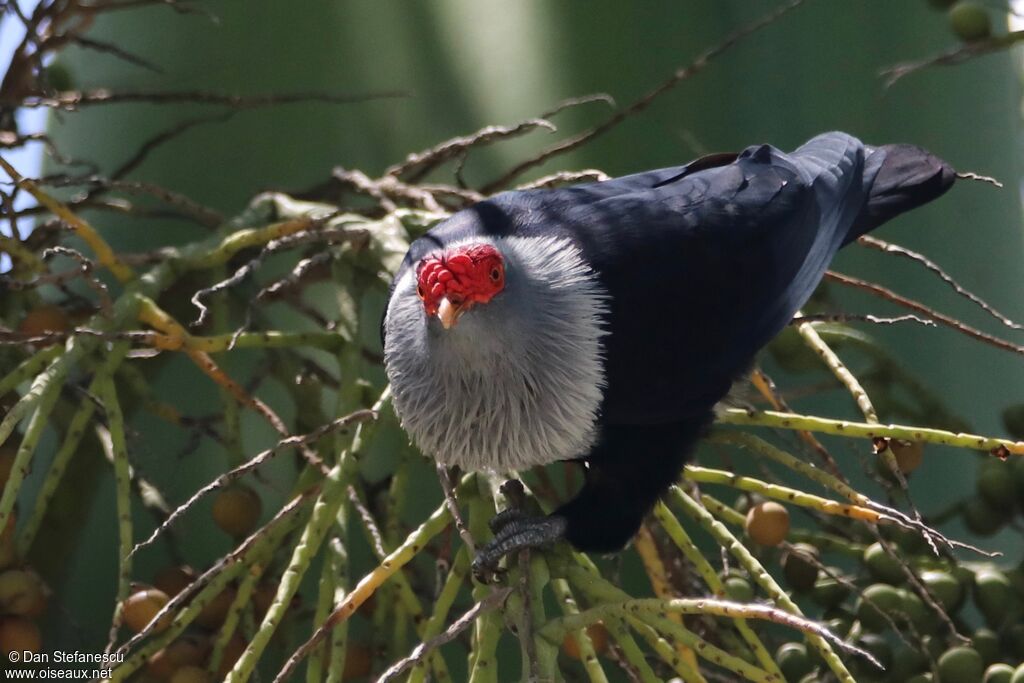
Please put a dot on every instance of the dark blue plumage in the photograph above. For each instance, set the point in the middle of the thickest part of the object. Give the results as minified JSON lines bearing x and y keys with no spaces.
{"x":703,"y":264}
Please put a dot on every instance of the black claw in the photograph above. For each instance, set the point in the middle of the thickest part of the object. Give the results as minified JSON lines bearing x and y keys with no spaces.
{"x":514,"y":531}
{"x":504,"y":518}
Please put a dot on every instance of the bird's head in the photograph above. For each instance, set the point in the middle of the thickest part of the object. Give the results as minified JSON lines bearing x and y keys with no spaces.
{"x":451,"y":282}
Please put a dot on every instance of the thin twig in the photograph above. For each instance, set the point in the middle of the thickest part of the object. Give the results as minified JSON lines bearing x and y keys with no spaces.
{"x":681,"y":74}
{"x":253,"y":463}
{"x":117,"y":51}
{"x":589,"y":175}
{"x":419,"y":164}
{"x":890,"y":248}
{"x":941,"y":318}
{"x":859,"y":317}
{"x":458,"y":626}
{"x":74,"y":99}
{"x":444,"y":475}
{"x":953,"y":56}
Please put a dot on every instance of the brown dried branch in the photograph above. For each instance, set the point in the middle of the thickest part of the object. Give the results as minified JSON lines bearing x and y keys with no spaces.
{"x":859,"y":317}
{"x":388,"y":189}
{"x":953,"y":56}
{"x":941,"y":318}
{"x":890,"y":248}
{"x":75,"y":99}
{"x":419,"y":164}
{"x":681,"y":74}
{"x":251,"y":464}
{"x":236,"y":555}
{"x":189,"y":208}
{"x":330,"y":235}
{"x":165,"y":136}
{"x":373,"y":533}
{"x":86,"y":269}
{"x":115,"y":50}
{"x":448,"y":477}
{"x":766,"y":386}
{"x":458,"y":626}
{"x":989,"y":180}
{"x":565,"y":178}
{"x":572,"y":102}
{"x":176,"y":5}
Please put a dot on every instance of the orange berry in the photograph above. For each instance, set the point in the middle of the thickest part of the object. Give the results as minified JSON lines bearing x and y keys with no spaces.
{"x":18,"y":634}
{"x":263,"y":597}
{"x":767,"y":523}
{"x":185,"y":651}
{"x":44,"y":319}
{"x":236,"y":510}
{"x":22,"y":592}
{"x":358,"y":662}
{"x":909,"y":454}
{"x":172,"y":580}
{"x":191,"y":674}
{"x":140,"y":608}
{"x":213,"y":614}
{"x":232,"y":651}
{"x":598,"y":635}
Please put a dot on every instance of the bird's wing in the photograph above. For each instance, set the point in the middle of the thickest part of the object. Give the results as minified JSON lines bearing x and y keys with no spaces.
{"x":705,"y":268}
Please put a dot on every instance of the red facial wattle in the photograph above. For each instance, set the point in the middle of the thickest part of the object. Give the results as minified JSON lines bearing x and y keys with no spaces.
{"x":453,"y":281}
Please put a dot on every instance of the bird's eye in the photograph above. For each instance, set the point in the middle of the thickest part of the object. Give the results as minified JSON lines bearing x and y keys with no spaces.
{"x":495,"y":274}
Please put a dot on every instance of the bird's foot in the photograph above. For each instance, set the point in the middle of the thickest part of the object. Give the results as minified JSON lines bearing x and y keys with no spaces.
{"x":514,"y":530}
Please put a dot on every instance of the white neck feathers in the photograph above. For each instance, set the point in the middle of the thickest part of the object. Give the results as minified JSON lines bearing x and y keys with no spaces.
{"x":518,"y":381}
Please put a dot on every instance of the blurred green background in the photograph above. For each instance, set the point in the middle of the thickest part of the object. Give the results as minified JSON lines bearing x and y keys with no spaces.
{"x":466,"y":64}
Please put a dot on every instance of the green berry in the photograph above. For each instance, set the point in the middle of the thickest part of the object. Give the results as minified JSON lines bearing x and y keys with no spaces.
{"x":1018,"y":675}
{"x":877,"y":602}
{"x":906,"y":661}
{"x":828,"y":592}
{"x":995,"y":484}
{"x":946,"y":589}
{"x":970,"y":21}
{"x":883,"y":566}
{"x":1013,"y":420}
{"x":986,"y":642}
{"x":793,"y":660}
{"x":1013,"y":641}
{"x":738,"y":589}
{"x":1017,"y":468}
{"x":799,"y":566}
{"x":914,"y":610}
{"x":961,"y":665}
{"x":998,"y":673}
{"x":994,"y":595}
{"x":877,"y":646}
{"x":792,"y":354}
{"x":981,"y":518}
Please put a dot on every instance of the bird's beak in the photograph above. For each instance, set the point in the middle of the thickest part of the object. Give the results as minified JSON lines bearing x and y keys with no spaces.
{"x":448,"y":313}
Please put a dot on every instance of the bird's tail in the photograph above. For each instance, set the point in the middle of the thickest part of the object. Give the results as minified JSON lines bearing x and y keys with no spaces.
{"x":904,"y":177}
